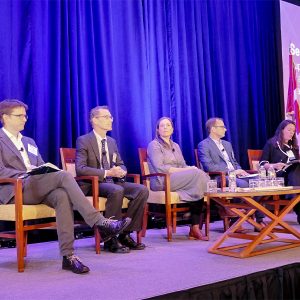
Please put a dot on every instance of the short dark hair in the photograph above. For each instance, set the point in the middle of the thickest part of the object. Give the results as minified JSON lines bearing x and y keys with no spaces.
{"x":7,"y":105}
{"x":211,"y":123}
{"x":94,"y":111}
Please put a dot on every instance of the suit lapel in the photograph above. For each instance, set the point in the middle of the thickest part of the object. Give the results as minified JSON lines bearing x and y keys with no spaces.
{"x":229,"y":152}
{"x":94,"y":144}
{"x":5,"y":139}
{"x":216,"y":149}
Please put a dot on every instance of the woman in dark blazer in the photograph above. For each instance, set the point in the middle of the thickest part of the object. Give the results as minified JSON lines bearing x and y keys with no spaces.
{"x":280,"y":150}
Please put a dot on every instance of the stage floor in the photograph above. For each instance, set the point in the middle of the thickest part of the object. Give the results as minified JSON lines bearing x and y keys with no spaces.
{"x":161,"y":268}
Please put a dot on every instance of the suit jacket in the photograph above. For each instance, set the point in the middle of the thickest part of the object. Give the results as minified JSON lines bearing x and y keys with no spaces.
{"x":273,"y":154}
{"x":88,"y":162}
{"x":211,"y":157}
{"x":12,"y":165}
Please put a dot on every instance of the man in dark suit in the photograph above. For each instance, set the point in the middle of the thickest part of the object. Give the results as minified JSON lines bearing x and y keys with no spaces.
{"x":20,"y":154}
{"x":97,"y":154}
{"x":216,"y":154}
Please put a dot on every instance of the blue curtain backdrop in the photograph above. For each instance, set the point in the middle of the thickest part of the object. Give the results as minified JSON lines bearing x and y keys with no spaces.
{"x":189,"y":60}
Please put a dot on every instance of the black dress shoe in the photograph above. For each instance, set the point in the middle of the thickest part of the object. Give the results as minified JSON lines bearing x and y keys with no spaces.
{"x":110,"y":228}
{"x":128,"y":241}
{"x":114,"y":246}
{"x":74,"y":264}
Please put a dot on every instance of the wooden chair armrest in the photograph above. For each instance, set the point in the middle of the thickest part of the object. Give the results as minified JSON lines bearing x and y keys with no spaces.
{"x":167,"y":188}
{"x":221,"y":174}
{"x":95,"y":188}
{"x":154,"y":175}
{"x":136,"y":177}
{"x":10,"y":180}
{"x":18,"y":191}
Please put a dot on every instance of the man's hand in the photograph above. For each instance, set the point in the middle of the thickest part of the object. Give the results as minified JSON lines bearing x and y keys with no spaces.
{"x":241,"y":172}
{"x":117,"y":172}
{"x":278,"y":166}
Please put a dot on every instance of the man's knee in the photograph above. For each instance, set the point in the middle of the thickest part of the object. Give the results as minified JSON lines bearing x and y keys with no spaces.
{"x":116,"y":191}
{"x":57,"y":197}
{"x":144,"y":192}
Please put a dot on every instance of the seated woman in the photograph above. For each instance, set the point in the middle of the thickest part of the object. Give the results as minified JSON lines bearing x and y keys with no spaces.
{"x":281,"y":149}
{"x":164,"y":156}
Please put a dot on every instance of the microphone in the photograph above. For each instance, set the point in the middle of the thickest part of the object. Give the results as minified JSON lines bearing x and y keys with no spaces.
{"x":22,"y":149}
{"x":173,"y":150}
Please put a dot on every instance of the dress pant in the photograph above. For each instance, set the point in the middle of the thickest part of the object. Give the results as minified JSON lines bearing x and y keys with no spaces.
{"x":137,"y":195}
{"x":60,"y":191}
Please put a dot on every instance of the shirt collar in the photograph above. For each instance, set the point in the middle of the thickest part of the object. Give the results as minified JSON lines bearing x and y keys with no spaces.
{"x":98,"y":136}
{"x":218,"y":142}
{"x":11,"y":136}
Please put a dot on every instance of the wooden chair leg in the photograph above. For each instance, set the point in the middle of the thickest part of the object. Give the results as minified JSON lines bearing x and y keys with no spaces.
{"x":25,"y":242}
{"x":20,"y":246}
{"x":97,"y":240}
{"x":169,"y":222}
{"x":139,"y":236}
{"x":174,"y":221}
{"x":145,"y":220}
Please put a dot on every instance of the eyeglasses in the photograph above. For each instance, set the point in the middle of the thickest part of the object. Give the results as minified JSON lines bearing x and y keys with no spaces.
{"x":220,"y":127}
{"x":21,"y":116}
{"x":107,"y":117}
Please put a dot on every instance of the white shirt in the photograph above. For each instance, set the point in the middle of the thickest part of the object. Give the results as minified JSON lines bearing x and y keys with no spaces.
{"x":99,"y":142}
{"x":17,"y":141}
{"x":224,"y":154}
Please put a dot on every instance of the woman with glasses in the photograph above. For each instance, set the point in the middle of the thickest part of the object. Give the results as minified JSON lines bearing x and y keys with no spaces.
{"x":165,"y":156}
{"x":282,"y":153}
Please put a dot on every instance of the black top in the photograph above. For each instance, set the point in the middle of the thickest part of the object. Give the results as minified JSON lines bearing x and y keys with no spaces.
{"x":274,"y":154}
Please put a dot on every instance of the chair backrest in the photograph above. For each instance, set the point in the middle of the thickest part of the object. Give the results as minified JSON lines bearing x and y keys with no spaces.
{"x":198,"y":163}
{"x":254,"y":158}
{"x":144,"y":165}
{"x":67,"y":156}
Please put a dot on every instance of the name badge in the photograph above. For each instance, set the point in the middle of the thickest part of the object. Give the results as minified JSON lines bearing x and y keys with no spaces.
{"x":33,"y":150}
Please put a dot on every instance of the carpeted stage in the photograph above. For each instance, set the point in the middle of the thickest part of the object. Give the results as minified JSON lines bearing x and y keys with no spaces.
{"x":182,"y":266}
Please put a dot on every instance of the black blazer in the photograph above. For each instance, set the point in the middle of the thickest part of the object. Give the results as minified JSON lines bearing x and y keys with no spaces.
{"x":273,"y":154}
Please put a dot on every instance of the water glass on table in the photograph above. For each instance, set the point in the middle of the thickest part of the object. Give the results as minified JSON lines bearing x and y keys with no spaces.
{"x":253,"y":183}
{"x":212,"y":186}
{"x":279,"y":181}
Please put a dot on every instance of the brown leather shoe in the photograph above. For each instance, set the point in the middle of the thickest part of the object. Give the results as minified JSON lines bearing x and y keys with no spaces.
{"x":196,"y":234}
{"x":225,"y":213}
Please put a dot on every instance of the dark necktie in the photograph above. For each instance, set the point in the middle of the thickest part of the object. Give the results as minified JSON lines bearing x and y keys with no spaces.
{"x":105,"y":164}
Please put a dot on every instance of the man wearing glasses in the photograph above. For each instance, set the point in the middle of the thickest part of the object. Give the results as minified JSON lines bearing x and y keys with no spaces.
{"x":216,"y":154}
{"x":97,"y":155}
{"x":20,"y":154}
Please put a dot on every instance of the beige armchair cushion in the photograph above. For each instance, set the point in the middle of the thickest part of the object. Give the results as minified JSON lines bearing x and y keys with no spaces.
{"x":159,"y":197}
{"x":30,"y":212}
{"x":102,"y":202}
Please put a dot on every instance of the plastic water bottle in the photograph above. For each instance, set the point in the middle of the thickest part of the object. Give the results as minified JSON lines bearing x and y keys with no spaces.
{"x":262,"y":173}
{"x":271,"y":173}
{"x":232,"y":181}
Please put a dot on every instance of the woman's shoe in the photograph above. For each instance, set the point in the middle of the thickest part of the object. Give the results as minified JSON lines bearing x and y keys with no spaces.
{"x":196,"y":234}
